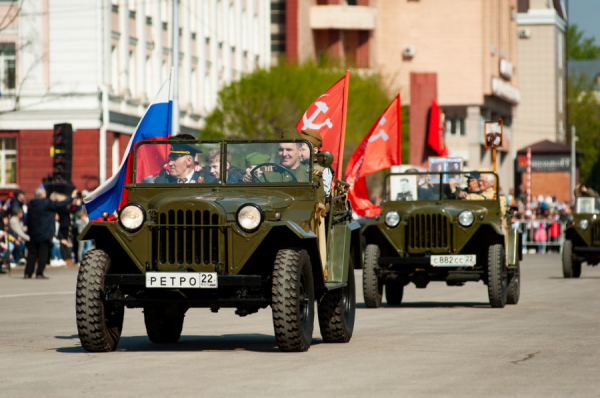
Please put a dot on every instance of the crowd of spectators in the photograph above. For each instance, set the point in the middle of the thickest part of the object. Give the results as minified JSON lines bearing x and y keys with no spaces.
{"x":542,"y":223}
{"x":18,"y":237}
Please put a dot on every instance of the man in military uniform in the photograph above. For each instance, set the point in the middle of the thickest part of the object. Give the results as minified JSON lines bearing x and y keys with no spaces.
{"x":404,"y":193}
{"x":252,"y":160}
{"x":181,"y":166}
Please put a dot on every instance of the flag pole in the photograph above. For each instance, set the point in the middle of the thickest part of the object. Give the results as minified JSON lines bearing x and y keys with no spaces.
{"x":344,"y":113}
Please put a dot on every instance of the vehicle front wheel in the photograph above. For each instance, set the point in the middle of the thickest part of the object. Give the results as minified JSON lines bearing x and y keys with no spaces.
{"x":163,"y":326}
{"x":372,"y":287}
{"x":99,"y":324}
{"x":571,"y":267}
{"x":394,"y":292}
{"x":514,"y":286}
{"x":336,"y":312}
{"x":293,"y":300}
{"x":497,"y":276}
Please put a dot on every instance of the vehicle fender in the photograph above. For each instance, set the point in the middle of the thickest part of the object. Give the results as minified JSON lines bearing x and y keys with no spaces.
{"x":372,"y":234}
{"x":513,"y":243}
{"x":109,"y":237}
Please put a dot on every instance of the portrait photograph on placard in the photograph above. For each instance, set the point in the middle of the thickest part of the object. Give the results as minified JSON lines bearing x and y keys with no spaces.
{"x":454,"y":165}
{"x":586,"y":205}
{"x":493,"y":133}
{"x":403,"y":188}
{"x":437,"y":164}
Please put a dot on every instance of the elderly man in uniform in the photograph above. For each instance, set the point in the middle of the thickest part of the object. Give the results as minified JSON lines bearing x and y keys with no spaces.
{"x":181,"y":166}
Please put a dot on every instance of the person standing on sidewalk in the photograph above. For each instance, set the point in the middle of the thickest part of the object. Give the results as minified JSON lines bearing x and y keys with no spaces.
{"x":40,"y":220}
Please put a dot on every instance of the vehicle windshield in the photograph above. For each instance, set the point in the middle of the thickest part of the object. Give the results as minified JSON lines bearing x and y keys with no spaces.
{"x":442,"y":186}
{"x":170,"y":162}
{"x":587,"y":205}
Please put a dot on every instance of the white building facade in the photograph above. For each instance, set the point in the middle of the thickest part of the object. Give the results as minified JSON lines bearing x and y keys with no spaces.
{"x":98,"y":63}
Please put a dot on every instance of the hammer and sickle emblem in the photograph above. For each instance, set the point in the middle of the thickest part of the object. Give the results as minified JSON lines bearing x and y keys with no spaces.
{"x":308,"y":123}
{"x":381,"y":133}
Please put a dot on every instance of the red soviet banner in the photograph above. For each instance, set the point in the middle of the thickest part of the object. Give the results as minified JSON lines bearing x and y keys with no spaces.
{"x":327,"y":115}
{"x":435,"y":136}
{"x":380,"y":149}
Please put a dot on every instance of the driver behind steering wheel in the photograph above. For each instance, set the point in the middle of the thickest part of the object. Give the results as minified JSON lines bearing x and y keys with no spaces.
{"x":253,"y":159}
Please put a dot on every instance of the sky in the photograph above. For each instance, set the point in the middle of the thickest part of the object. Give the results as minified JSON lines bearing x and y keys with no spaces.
{"x":586,"y":15}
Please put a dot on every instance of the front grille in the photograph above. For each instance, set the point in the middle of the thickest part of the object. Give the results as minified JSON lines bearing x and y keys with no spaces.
{"x":428,"y":231}
{"x":596,"y":233}
{"x":187,"y":237}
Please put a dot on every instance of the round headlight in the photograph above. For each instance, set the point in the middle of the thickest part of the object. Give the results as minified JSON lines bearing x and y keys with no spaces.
{"x":584,"y":224}
{"x":131,"y":217}
{"x":392,"y":218}
{"x":466,"y":218}
{"x":249,"y":217}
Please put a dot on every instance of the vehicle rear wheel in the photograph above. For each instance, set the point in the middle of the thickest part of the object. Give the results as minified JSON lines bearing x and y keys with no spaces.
{"x":497,"y":276}
{"x":99,"y":324}
{"x":394,"y":292}
{"x":372,"y":287}
{"x":336,"y":312}
{"x":293,"y":300}
{"x":514,"y":286}
{"x":163,"y":326}
{"x":571,"y":268}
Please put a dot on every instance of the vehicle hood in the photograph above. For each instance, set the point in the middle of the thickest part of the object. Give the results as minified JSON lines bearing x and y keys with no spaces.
{"x":228,"y":201}
{"x":449,"y":209}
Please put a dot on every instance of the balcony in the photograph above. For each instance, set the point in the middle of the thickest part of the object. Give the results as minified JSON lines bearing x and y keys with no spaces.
{"x":343,"y":17}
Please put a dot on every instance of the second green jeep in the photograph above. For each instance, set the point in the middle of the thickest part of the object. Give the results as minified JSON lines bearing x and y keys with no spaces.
{"x":432,"y":230}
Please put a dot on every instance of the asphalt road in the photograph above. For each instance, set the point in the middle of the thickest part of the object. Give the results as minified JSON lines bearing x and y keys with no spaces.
{"x":443,"y":341}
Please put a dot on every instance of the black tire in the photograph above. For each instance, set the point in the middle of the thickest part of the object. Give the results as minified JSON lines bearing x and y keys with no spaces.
{"x":567,"y":259}
{"x":162,"y":326}
{"x":99,"y":324}
{"x":293,"y":300}
{"x":576,"y":269}
{"x":513,"y":291}
{"x":372,"y":287}
{"x":337,"y":310}
{"x":497,"y":276}
{"x":393,"y":292}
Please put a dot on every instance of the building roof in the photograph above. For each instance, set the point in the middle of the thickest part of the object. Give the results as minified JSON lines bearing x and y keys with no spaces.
{"x":547,"y":147}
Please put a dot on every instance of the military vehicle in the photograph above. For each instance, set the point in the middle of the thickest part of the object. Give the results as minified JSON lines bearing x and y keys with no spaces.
{"x":582,"y":237}
{"x":221,"y":242}
{"x":431,"y":229}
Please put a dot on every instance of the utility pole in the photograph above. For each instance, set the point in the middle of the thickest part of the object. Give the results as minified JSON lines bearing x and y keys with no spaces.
{"x":175,"y":65}
{"x":573,"y":161}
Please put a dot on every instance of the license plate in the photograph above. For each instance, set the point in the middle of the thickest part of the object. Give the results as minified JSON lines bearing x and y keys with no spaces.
{"x":456,"y":260}
{"x":171,"y":280}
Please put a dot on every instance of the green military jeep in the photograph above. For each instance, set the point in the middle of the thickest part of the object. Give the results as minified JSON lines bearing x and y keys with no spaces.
{"x":430,"y":230}
{"x":582,"y":237}
{"x":222,"y":242}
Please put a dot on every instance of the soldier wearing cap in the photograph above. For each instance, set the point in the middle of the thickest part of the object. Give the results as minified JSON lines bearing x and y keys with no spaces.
{"x":326,"y":173}
{"x":291,"y":155}
{"x":181,"y":166}
{"x":253,"y":159}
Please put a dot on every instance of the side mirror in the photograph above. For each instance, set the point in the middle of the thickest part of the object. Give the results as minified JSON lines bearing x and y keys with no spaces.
{"x":324,"y":158}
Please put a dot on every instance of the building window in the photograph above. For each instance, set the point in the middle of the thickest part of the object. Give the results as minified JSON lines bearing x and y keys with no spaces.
{"x":8,"y":161}
{"x":7,"y":67}
{"x":455,"y":126}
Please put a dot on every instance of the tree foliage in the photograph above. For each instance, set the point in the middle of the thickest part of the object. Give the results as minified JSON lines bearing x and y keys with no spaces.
{"x":579,"y":47}
{"x":262,"y":104}
{"x":584,"y":114}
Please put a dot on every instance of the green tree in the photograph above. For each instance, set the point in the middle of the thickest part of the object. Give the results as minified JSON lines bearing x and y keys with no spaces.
{"x":580,"y":47}
{"x":263,"y":103}
{"x":584,"y":114}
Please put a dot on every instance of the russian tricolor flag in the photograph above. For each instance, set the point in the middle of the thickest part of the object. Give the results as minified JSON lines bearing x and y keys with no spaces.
{"x":155,"y":124}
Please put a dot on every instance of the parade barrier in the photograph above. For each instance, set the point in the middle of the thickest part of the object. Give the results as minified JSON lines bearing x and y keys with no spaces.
{"x":541,"y":236}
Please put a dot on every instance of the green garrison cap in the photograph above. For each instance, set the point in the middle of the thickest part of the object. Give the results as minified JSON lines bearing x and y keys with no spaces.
{"x":255,"y":158}
{"x":290,"y":133}
{"x":313,"y":137}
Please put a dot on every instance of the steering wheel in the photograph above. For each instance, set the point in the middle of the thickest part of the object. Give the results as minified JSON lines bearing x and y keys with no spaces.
{"x":257,"y":178}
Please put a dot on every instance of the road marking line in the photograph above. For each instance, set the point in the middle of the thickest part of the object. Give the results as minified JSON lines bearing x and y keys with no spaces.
{"x":34,"y":294}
